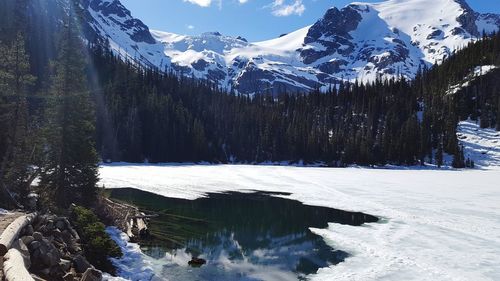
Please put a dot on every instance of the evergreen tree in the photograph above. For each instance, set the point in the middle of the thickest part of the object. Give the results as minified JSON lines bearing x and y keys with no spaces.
{"x":71,"y":169}
{"x":17,"y":136}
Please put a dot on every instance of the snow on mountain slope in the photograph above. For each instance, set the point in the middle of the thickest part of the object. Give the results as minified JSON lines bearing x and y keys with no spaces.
{"x":127,"y":36}
{"x":488,"y":23}
{"x":361,"y":41}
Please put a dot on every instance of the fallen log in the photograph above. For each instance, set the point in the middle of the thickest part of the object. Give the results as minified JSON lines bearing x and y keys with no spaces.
{"x":14,"y":268}
{"x":11,"y":233}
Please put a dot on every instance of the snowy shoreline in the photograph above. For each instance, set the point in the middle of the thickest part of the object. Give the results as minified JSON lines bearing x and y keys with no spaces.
{"x":133,"y":265}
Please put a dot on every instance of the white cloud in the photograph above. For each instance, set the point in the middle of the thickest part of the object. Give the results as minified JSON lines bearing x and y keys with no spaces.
{"x":280,"y":8}
{"x":283,"y":9}
{"x":207,"y":3}
{"x":202,"y":3}
{"x":190,"y":26}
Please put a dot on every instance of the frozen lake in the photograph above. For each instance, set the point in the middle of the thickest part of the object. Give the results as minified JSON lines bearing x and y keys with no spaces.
{"x":436,"y":225}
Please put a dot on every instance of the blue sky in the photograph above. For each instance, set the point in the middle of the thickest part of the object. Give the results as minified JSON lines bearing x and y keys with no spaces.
{"x":253,"y":19}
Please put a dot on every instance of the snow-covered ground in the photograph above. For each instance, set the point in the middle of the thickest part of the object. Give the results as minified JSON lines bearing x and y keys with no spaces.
{"x":436,"y":225}
{"x":133,"y":265}
{"x":480,"y":145}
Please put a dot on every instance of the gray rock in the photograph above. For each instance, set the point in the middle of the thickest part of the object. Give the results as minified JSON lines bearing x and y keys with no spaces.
{"x":50,"y":225}
{"x":37,"y":236}
{"x":29,"y":230}
{"x":81,"y":264}
{"x":27,"y":239}
{"x":34,"y":245}
{"x":37,"y":278}
{"x":56,"y":232}
{"x":50,"y":259}
{"x":65,"y":264}
{"x":74,"y":247}
{"x":61,"y":225}
{"x":92,"y":274}
{"x":70,"y":276}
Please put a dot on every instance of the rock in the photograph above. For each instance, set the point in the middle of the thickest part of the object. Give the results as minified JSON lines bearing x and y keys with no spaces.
{"x":29,"y":230}
{"x":92,"y":274}
{"x":56,"y":232}
{"x":50,"y":259}
{"x":34,"y":245}
{"x":36,"y":278}
{"x":56,"y":272}
{"x":37,"y":236}
{"x":50,"y":226}
{"x":74,"y":247}
{"x":45,"y":271}
{"x":70,"y":276}
{"x":65,"y":264}
{"x":197,"y":262}
{"x":74,"y":234}
{"x":32,"y":201}
{"x":27,"y":239}
{"x":81,"y":264}
{"x":61,"y":225}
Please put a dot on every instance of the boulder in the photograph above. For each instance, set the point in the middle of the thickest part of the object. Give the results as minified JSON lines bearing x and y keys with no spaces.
{"x":29,"y":230}
{"x":34,"y":245}
{"x":70,"y":276}
{"x":92,"y":274}
{"x":65,"y":264}
{"x":197,"y":262}
{"x":61,"y":225}
{"x":37,"y":278}
{"x":81,"y":264}
{"x":37,"y":236}
{"x":50,"y":259}
{"x":27,"y":239}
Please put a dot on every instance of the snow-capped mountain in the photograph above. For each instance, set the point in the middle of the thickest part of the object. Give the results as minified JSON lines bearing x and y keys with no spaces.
{"x":360,"y":41}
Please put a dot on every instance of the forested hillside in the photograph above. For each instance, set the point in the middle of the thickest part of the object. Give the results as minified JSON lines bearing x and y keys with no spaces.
{"x":148,"y":115}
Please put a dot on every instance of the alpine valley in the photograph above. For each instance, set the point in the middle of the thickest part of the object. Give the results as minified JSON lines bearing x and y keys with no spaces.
{"x":365,"y":146}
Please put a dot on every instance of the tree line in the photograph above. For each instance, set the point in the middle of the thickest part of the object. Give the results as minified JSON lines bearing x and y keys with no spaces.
{"x":148,"y":115}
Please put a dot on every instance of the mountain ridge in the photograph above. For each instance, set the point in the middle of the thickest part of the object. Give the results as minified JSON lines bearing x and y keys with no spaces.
{"x":361,"y":41}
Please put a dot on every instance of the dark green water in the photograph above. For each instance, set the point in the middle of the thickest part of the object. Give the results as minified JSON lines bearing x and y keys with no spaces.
{"x":242,"y":236}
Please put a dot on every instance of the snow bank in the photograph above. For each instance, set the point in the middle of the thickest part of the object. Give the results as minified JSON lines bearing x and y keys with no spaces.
{"x":134,"y":265}
{"x":3,"y":211}
{"x":437,"y":225}
{"x":480,"y":145}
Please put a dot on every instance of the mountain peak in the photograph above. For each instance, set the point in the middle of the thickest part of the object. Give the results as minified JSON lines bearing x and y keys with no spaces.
{"x":359,"y":41}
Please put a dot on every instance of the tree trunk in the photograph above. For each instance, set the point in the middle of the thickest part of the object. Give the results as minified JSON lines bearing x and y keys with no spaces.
{"x":11,"y":233}
{"x":14,"y":268}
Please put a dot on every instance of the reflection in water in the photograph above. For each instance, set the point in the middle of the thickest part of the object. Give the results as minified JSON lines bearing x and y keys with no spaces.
{"x":242,"y":236}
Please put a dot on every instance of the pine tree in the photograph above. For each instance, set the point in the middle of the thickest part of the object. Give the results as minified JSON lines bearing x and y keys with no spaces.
{"x":71,"y":169}
{"x":17,"y":139}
